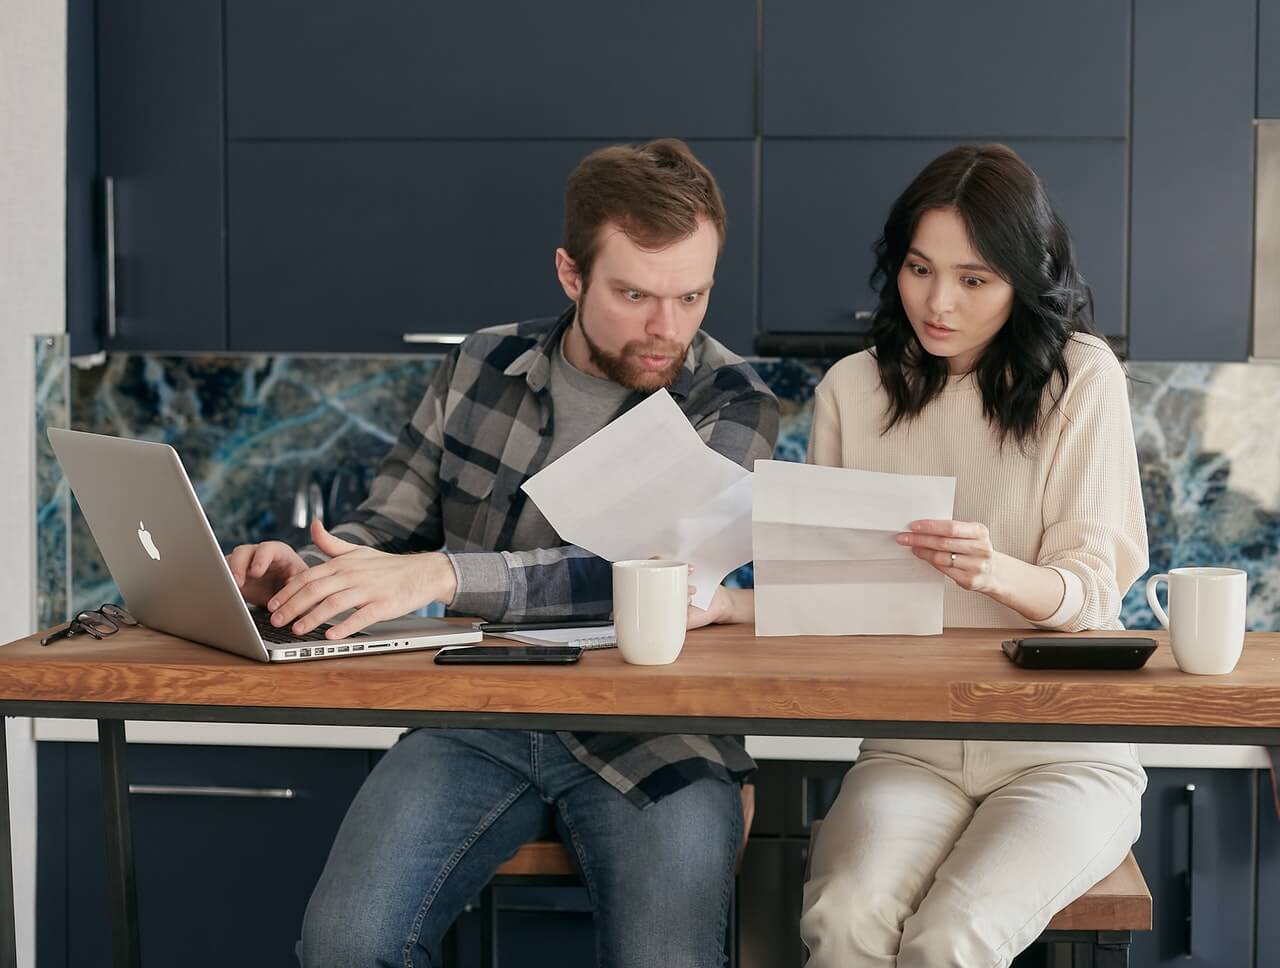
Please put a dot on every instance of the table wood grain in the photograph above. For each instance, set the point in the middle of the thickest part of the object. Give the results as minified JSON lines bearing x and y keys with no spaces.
{"x":960,"y":676}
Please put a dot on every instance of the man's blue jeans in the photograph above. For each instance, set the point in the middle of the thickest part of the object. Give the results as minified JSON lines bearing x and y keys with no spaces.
{"x":445,"y":807}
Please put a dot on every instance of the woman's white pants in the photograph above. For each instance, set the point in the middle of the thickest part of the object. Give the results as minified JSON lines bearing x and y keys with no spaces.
{"x":956,"y":854}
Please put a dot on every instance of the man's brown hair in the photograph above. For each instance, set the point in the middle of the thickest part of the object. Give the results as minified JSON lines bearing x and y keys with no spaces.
{"x":655,"y":193}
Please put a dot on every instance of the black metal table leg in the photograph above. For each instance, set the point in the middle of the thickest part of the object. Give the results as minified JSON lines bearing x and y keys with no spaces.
{"x":9,"y":928}
{"x":122,"y":887}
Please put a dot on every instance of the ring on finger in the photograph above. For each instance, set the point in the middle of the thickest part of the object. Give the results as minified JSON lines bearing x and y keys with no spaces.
{"x":953,"y":559}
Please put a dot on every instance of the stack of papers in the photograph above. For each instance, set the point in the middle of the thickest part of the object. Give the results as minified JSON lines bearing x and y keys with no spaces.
{"x":599,"y":637}
{"x":827,"y":561}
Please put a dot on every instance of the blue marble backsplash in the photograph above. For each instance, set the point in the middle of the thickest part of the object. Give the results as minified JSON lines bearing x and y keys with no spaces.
{"x":53,"y":511}
{"x":258,"y":434}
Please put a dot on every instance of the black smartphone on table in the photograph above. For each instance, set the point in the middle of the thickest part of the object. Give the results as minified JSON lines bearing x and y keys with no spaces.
{"x":1068,"y":652}
{"x":509,"y":654}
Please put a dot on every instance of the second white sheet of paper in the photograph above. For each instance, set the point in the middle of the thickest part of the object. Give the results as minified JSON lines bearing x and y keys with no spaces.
{"x":827,"y":561}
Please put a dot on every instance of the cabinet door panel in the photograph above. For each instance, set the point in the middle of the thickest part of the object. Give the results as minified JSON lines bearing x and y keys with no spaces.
{"x":221,"y":880}
{"x":568,"y":68}
{"x":1212,"y":886}
{"x":1191,"y":216}
{"x":933,"y":68}
{"x":160,"y":141}
{"x":824,"y":205}
{"x":346,"y":247}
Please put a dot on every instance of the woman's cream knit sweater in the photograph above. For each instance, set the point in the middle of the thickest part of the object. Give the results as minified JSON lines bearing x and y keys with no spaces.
{"x":1073,"y":502}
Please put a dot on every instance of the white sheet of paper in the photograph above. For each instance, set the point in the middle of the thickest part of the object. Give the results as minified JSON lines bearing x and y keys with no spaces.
{"x":827,"y":561}
{"x":647,"y":485}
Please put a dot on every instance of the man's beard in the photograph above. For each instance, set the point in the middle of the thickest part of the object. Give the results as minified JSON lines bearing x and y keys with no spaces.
{"x":623,"y":368}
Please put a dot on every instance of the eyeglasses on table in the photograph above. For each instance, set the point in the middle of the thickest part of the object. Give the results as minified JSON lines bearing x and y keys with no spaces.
{"x":97,"y":623}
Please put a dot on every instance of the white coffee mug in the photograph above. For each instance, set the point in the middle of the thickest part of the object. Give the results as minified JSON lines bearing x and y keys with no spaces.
{"x":650,"y":609}
{"x":1205,"y":618}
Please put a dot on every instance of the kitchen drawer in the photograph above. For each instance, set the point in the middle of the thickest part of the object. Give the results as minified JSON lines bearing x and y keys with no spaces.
{"x":221,"y":880}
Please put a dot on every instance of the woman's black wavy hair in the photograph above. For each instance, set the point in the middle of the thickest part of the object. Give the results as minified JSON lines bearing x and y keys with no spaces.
{"x":1013,"y":226}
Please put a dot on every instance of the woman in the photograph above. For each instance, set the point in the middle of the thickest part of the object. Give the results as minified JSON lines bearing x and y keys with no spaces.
{"x":956,"y":853}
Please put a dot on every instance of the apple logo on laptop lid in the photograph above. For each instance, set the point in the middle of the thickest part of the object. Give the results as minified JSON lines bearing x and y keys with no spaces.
{"x":147,"y":544}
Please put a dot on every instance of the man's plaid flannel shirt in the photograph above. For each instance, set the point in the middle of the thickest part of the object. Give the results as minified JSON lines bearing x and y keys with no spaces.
{"x":453,"y":479}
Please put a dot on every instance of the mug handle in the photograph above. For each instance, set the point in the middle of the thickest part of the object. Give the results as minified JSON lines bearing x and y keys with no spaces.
{"x":1153,"y":598}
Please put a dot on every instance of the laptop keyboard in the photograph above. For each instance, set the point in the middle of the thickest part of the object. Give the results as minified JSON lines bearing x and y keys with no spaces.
{"x":282,"y":636}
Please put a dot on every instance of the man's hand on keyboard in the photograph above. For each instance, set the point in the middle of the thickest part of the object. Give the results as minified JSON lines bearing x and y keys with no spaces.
{"x":261,"y":570}
{"x":378,"y":585}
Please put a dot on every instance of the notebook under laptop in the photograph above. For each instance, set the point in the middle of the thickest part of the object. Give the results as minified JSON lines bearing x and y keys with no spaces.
{"x":159,"y":548}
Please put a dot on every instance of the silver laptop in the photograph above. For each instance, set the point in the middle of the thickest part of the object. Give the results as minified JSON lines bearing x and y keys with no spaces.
{"x":159,"y":548}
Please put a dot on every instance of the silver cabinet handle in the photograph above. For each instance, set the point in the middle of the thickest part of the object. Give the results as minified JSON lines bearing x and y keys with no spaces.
{"x":247,"y":793}
{"x":450,"y":338}
{"x":109,"y":230}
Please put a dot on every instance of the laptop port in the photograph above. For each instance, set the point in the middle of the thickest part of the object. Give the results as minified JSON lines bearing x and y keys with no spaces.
{"x":357,"y":648}
{"x":344,"y":648}
{"x":291,"y":654}
{"x":304,"y":653}
{"x":379,"y":645}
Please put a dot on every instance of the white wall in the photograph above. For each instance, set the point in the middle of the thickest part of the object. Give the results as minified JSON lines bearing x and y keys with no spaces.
{"x":33,"y":120}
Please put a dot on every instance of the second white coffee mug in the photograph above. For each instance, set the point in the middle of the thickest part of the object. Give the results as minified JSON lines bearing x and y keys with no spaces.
{"x":650,"y":609}
{"x":1205,"y":618}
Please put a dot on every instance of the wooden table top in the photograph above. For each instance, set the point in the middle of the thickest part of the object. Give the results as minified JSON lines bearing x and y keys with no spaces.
{"x":960,"y":676}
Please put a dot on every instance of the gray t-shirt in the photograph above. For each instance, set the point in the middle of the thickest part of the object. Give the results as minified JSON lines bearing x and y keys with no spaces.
{"x":581,"y":404}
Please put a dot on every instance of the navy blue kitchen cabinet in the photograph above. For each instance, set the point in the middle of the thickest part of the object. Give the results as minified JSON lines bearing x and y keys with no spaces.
{"x":329,"y":182}
{"x":936,"y":69}
{"x":490,"y":69}
{"x":1197,"y":854}
{"x":1269,"y":58}
{"x":789,"y":797}
{"x":1191,"y":201}
{"x":355,"y":246}
{"x":825,"y":203}
{"x":1268,"y":901}
{"x":160,"y":165}
{"x":222,"y":879}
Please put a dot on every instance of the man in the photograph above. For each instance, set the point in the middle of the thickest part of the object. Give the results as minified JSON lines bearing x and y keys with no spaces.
{"x":653,"y":821}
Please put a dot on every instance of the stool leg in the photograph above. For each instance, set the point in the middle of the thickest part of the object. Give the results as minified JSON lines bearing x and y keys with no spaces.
{"x":488,"y":929}
{"x":1111,"y":949}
